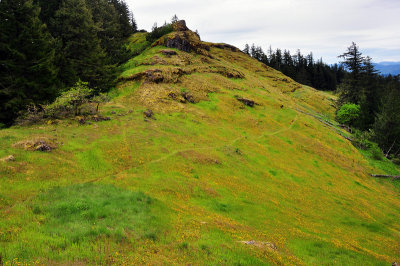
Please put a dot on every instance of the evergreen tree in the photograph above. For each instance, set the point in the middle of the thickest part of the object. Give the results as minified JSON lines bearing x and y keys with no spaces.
{"x":353,"y":61}
{"x":47,"y":10}
{"x":369,"y":97}
{"x":302,"y":69}
{"x":387,"y":122}
{"x":134,"y":24}
{"x":27,"y":69}
{"x":81,"y":56}
{"x":174,"y":19}
{"x":111,"y":37}
{"x":246,"y":49}
{"x":124,"y":18}
{"x":288,"y":64}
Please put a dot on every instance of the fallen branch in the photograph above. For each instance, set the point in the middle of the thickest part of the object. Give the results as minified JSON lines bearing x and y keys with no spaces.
{"x":326,"y":123}
{"x":393,"y":177}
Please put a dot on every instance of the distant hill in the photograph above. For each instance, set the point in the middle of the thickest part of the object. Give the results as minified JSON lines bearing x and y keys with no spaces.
{"x":387,"y":68}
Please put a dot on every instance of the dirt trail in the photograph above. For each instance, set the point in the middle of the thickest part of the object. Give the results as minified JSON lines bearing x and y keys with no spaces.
{"x":220,"y":146}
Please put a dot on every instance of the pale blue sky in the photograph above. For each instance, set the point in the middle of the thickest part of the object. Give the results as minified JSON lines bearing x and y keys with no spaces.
{"x":325,"y":27}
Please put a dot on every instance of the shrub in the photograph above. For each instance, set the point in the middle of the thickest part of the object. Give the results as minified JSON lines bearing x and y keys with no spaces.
{"x":362,"y":139}
{"x":396,"y":160}
{"x":33,"y":114}
{"x":376,"y":152}
{"x":70,"y":102}
{"x":158,"y":32}
{"x":98,"y":99}
{"x":348,"y":113}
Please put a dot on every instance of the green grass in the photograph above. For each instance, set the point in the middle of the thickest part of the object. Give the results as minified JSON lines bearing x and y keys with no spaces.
{"x":383,"y":166}
{"x":137,"y":43}
{"x":315,"y":252}
{"x":79,"y":216}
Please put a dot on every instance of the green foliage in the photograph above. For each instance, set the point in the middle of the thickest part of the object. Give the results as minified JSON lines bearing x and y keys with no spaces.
{"x":360,"y":86}
{"x":363,"y":139}
{"x":81,"y":54}
{"x":301,"y":68}
{"x":137,"y":43}
{"x":98,"y":99}
{"x":376,"y":152}
{"x":353,"y":60}
{"x":47,"y":45}
{"x":127,"y":23}
{"x":396,"y":161}
{"x":112,"y":20}
{"x":348,"y":113}
{"x":27,"y":59}
{"x":70,"y":102}
{"x":158,"y":32}
{"x":387,"y":123}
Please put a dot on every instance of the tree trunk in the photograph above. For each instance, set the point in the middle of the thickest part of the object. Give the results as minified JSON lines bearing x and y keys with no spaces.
{"x":393,"y":177}
{"x":391,"y":147}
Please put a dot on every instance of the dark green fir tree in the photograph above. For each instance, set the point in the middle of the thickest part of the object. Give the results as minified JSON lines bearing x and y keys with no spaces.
{"x":27,"y":59}
{"x":81,"y":56}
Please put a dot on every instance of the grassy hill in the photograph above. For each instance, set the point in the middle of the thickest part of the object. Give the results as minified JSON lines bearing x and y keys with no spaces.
{"x":202,"y":178}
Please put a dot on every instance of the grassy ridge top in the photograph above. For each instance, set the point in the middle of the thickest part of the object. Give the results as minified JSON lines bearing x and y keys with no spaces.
{"x":216,"y":181}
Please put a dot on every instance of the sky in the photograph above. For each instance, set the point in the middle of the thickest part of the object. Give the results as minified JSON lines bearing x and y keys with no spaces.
{"x":324,"y":27}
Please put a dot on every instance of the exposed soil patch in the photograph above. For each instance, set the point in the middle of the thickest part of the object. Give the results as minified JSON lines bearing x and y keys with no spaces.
{"x":260,"y":244}
{"x":169,"y":53}
{"x":155,"y":60}
{"x":199,"y":157}
{"x":37,"y":144}
{"x":227,"y":72}
{"x":154,"y":75}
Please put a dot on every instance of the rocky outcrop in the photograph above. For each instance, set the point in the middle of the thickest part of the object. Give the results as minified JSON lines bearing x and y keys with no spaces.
{"x":37,"y":144}
{"x":180,"y":26}
{"x":154,"y":75}
{"x":179,"y":43}
{"x":247,"y":102}
{"x":184,"y":39}
{"x":168,"y":53}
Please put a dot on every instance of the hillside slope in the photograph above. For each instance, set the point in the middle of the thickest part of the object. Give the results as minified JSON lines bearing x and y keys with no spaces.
{"x":204,"y":177}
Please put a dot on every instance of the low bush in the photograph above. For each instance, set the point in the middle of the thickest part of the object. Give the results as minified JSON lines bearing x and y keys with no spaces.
{"x":32,"y":115}
{"x":362,"y":139}
{"x":70,"y":102}
{"x":75,"y":102}
{"x":376,"y":152}
{"x":158,"y":32}
{"x":348,"y":114}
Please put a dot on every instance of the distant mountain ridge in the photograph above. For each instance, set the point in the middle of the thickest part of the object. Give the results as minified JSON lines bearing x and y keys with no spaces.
{"x":387,"y":68}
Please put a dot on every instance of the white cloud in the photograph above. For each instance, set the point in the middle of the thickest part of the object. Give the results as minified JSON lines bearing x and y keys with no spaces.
{"x":324,"y":27}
